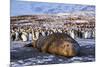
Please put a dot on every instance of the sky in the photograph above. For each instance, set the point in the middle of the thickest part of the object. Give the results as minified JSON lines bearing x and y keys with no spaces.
{"x":29,"y":7}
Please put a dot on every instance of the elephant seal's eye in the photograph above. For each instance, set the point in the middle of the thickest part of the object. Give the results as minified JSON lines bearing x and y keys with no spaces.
{"x":67,"y":45}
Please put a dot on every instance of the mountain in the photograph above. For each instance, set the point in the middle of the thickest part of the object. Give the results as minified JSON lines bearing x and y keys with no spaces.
{"x":29,"y":8}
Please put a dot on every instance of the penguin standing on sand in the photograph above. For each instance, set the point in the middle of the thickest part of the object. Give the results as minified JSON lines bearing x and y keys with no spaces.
{"x":13,"y":36}
{"x":86,"y":34}
{"x":30,"y":36}
{"x":17,"y":35}
{"x":72,"y":33}
{"x":24,"y":36}
{"x":37,"y":34}
{"x":43,"y":33}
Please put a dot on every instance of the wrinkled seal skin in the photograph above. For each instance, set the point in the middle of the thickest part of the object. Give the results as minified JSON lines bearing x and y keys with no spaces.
{"x":59,"y":44}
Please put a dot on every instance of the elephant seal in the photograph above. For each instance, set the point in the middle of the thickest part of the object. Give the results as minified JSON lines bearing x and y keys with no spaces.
{"x":58,"y":44}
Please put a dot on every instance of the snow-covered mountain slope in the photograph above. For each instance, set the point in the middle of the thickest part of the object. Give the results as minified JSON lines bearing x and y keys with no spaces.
{"x":28,"y":8}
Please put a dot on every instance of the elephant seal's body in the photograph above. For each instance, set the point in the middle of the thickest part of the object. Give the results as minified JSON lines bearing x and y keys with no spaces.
{"x":58,"y":43}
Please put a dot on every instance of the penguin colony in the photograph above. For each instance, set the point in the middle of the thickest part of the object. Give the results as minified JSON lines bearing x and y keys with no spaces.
{"x":53,"y":39}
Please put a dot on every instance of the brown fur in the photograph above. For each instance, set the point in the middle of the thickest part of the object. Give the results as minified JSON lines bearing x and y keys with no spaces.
{"x":59,"y":44}
{"x":33,"y":43}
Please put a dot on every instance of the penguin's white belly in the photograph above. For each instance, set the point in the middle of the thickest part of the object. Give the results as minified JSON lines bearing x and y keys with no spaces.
{"x":72,"y":35}
{"x":43,"y":33}
{"x":37,"y":35}
{"x":24,"y":38}
{"x":86,"y":35}
{"x":30,"y":37}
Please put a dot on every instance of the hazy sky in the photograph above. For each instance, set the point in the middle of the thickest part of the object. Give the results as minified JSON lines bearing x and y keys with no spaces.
{"x":28,"y":8}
